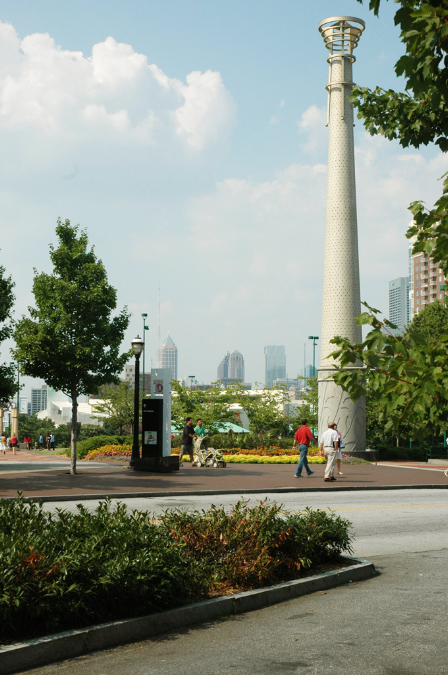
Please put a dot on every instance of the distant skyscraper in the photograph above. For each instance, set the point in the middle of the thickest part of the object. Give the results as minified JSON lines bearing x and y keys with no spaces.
{"x":38,"y":399}
{"x":236,"y":366}
{"x":427,"y":282}
{"x":168,"y":356}
{"x":399,"y":303}
{"x":274,"y":364}
{"x":223,"y":368}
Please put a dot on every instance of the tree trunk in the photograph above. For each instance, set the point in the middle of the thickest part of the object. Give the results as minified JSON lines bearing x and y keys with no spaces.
{"x":74,"y":432}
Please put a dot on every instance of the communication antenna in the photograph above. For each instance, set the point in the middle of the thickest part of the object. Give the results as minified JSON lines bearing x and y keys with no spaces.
{"x":160,"y":343}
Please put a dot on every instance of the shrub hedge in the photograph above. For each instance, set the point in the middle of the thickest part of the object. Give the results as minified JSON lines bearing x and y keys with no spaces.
{"x":65,"y":570}
{"x":95,"y":442}
{"x":388,"y":453}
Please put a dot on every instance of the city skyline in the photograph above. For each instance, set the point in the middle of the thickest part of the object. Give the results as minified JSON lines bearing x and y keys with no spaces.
{"x":162,"y":128}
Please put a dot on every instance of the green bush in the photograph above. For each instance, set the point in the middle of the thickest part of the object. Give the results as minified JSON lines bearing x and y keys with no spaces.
{"x":95,"y":442}
{"x":390,"y":453}
{"x":65,"y":570}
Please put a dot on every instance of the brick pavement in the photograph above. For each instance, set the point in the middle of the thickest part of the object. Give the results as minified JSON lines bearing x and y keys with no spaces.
{"x":112,"y":479}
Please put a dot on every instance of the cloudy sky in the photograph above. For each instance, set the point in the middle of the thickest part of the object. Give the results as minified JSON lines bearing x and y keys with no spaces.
{"x":188,"y":137}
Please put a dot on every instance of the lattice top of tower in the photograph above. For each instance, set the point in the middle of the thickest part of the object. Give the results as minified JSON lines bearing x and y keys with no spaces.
{"x":341,"y":34}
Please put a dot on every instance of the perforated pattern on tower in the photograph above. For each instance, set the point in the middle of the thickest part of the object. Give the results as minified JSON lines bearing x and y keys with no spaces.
{"x":341,"y":291}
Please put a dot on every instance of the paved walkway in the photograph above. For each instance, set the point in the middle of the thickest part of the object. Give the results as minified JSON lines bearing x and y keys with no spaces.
{"x":37,"y":475}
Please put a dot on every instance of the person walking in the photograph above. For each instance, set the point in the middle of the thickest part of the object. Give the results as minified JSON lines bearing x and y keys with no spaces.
{"x":14,"y":444}
{"x":41,"y":442}
{"x":3,"y":444}
{"x":339,"y":451}
{"x":52,"y":441}
{"x":329,"y":443}
{"x":186,"y":444}
{"x":199,"y":429}
{"x":302,"y":437}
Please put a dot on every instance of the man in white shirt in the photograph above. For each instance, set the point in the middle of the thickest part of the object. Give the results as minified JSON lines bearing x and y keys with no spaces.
{"x":329,"y":443}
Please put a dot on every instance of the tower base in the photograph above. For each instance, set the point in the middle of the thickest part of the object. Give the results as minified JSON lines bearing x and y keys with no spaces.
{"x":335,"y":405}
{"x":156,"y":464}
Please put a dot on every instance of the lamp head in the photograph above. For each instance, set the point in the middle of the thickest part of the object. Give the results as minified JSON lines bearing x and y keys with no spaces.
{"x":137,"y":345}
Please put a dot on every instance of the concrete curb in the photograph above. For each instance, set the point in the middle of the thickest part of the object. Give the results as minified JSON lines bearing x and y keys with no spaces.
{"x":73,"y":643}
{"x":212,"y":493}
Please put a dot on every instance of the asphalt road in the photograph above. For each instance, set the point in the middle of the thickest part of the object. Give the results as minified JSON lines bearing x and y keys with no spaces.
{"x":384,"y":521}
{"x":393,"y":624}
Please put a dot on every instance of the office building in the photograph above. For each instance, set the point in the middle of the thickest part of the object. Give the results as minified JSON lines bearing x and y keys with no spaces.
{"x":236,"y":366}
{"x":399,"y":303}
{"x":427,"y":282}
{"x":223,"y":368}
{"x":128,"y":375}
{"x":231,"y":368}
{"x":168,"y":356}
{"x":274,"y":364}
{"x":38,"y":399}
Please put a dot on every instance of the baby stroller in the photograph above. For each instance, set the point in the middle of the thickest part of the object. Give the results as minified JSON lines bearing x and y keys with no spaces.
{"x":206,"y":456}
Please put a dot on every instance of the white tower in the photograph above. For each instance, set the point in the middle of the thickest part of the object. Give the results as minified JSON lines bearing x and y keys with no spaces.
{"x":341,"y":294}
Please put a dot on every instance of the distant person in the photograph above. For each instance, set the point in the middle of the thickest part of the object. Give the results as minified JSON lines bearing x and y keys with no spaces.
{"x":329,"y":443}
{"x":339,"y":451}
{"x":52,"y":442}
{"x":14,"y":443}
{"x":47,"y":441}
{"x":3,"y":445}
{"x":302,"y":437}
{"x":41,"y":442}
{"x":199,"y":429}
{"x":186,"y":444}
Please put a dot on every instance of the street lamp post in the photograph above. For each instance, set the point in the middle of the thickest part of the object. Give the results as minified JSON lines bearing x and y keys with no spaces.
{"x":138,"y":346}
{"x":145,"y":328}
{"x":314,"y":338}
{"x":11,"y":363}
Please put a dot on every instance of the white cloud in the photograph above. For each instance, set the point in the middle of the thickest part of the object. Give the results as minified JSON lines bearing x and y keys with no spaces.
{"x":115,"y":91}
{"x":312,"y":126}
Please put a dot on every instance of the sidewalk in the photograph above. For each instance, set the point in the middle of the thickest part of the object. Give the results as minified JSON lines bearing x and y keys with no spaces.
{"x":41,"y":476}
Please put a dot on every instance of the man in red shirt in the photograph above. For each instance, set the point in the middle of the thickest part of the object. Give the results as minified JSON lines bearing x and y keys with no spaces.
{"x":303,"y":437}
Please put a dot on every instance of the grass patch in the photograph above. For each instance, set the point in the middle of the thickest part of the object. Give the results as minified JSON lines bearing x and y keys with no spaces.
{"x":64,"y":570}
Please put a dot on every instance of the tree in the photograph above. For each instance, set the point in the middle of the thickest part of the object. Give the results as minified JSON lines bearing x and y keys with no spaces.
{"x":309,"y":409}
{"x":211,"y":405}
{"x":8,"y":385}
{"x":265,"y":409}
{"x":118,"y":405}
{"x":431,"y":322}
{"x":419,"y":115}
{"x":408,"y":376}
{"x":70,"y":339}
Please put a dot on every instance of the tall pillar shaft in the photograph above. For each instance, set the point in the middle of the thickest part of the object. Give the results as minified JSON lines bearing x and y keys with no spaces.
{"x":15,"y":422}
{"x":341,"y":291}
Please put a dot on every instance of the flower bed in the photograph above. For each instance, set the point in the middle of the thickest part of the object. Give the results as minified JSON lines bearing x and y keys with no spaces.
{"x":110,"y":451}
{"x":236,"y":456}
{"x":278,"y":459}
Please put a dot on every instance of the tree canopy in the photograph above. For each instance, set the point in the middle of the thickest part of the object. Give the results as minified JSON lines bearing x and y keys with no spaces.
{"x":117,"y":402}
{"x":419,"y":115}
{"x":8,"y":386}
{"x":70,"y":338}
